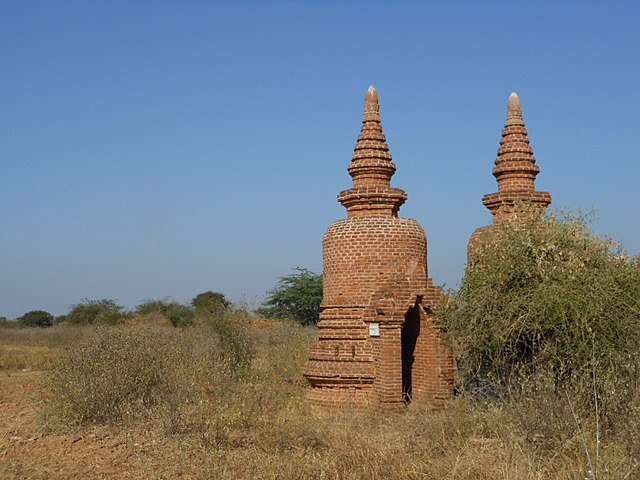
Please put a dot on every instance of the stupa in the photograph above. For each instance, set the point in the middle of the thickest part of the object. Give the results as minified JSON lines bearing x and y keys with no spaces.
{"x":378,"y":341}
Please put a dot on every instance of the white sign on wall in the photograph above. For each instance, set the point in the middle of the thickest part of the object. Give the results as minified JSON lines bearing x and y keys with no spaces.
{"x":374,"y":329}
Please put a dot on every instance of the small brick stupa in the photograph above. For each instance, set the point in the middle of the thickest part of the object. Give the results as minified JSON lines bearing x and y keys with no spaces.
{"x":377,"y":340}
{"x":516,"y":171}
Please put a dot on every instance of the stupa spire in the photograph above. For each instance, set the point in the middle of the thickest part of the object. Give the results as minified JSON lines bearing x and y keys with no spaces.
{"x":371,"y":168}
{"x":516,"y":168}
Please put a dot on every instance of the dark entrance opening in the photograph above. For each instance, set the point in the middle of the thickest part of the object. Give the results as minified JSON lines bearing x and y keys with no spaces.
{"x":410,"y":332}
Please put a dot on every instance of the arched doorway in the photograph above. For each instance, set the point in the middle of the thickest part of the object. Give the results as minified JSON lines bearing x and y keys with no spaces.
{"x":410,"y":332}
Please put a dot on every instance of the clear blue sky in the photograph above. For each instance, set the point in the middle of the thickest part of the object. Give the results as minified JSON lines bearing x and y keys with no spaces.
{"x":165,"y":148}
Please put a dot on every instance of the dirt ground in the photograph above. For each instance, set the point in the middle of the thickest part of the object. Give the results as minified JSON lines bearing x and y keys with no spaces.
{"x":28,"y":452}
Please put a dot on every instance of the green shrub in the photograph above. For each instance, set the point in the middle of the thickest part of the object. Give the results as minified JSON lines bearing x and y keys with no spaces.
{"x":297,"y":296}
{"x":178,"y":314}
{"x":36,"y":318}
{"x":94,"y":312}
{"x":546,"y":293}
{"x":549,"y":311}
{"x":211,"y":303}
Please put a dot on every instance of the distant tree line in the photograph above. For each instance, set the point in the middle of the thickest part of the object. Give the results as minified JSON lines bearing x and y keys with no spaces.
{"x":296,"y":296}
{"x":207,"y":305}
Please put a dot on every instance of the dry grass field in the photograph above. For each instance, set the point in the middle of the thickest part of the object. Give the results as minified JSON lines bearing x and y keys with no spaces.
{"x":157,"y":402}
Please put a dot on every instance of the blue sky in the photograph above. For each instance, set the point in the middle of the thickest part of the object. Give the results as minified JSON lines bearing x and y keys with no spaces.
{"x":165,"y":148}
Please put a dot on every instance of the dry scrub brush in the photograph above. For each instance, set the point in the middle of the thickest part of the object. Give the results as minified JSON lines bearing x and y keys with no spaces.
{"x":226,"y":397}
{"x":547,"y":320}
{"x":142,"y":372}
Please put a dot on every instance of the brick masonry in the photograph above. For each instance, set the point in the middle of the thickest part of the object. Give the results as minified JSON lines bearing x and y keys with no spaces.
{"x":378,"y":341}
{"x":515,"y":170}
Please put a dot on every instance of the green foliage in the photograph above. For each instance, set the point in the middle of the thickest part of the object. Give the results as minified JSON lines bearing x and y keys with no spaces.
{"x":546,"y":294}
{"x":297,"y":296}
{"x":211,"y":303}
{"x":178,"y":314}
{"x":3,"y":321}
{"x":90,"y":312}
{"x":36,"y":318}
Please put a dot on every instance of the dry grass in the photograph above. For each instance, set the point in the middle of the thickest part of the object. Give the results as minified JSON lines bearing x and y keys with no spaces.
{"x":182,"y":387}
{"x":36,"y":348}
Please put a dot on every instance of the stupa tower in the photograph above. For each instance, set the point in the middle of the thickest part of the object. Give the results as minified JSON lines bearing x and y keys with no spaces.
{"x":515,"y":170}
{"x":376,"y":339}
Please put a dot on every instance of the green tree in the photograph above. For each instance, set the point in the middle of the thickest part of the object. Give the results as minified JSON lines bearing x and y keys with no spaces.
{"x":178,"y":314}
{"x":89,"y":312}
{"x":297,"y":296}
{"x":545,"y":294}
{"x":36,"y":318}
{"x":211,"y":303}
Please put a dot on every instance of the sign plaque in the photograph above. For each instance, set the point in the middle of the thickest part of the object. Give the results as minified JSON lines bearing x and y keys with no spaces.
{"x":374,"y":329}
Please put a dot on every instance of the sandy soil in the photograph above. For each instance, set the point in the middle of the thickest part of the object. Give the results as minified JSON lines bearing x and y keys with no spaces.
{"x":28,"y":452}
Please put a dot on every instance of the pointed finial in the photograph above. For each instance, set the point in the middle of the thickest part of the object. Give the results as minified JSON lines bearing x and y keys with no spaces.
{"x":372,"y":95}
{"x":514,"y":103}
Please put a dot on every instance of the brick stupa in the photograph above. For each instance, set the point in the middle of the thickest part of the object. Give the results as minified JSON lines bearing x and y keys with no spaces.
{"x":515,"y":170}
{"x":377,"y":339}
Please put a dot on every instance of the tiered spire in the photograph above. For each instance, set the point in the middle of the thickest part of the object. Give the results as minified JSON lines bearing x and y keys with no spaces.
{"x":371,"y":168}
{"x":516,"y":167}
